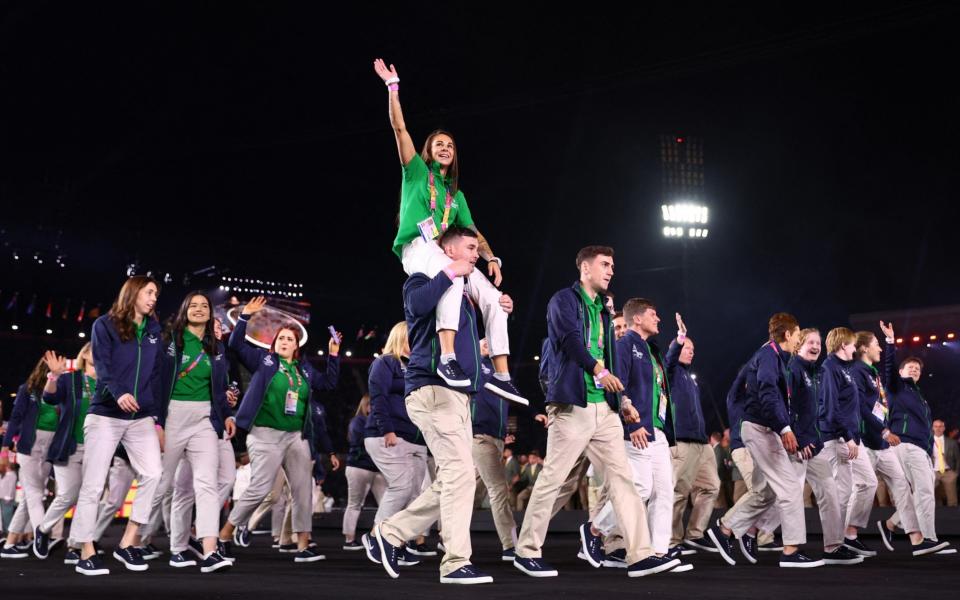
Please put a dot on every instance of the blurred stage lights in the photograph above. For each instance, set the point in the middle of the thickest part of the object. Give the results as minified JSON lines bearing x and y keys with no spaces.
{"x":685,"y":213}
{"x":690,"y":232}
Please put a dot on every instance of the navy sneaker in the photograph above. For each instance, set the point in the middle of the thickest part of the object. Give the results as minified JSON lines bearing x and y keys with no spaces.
{"x":225,"y":549}
{"x":196,"y":546}
{"x":534,"y":567}
{"x":776,"y":545}
{"x":71,"y":556}
{"x":41,"y":543}
{"x":508,"y":555}
{"x":886,"y":535}
{"x":799,"y":560}
{"x":275,"y":545}
{"x":373,"y":550}
{"x":131,"y":558}
{"x":214,"y":562}
{"x":407,"y":559}
{"x":506,"y":390}
{"x":722,"y":542}
{"x":748,"y":548}
{"x":352,"y":546}
{"x":591,"y":546}
{"x":928,"y":546}
{"x":652,"y":565}
{"x":389,"y":554}
{"x":420,"y":549}
{"x":440,"y":548}
{"x":149,"y":552}
{"x":13,"y":552}
{"x":703,"y":544}
{"x":92,"y":566}
{"x":859,"y":547}
{"x":181,"y":559}
{"x":453,"y":374}
{"x":616,"y":559}
{"x":54,"y":542}
{"x":241,"y":537}
{"x":309,"y":554}
{"x":686,"y":550}
{"x":466,"y":575}
{"x":289,"y":548}
{"x":675,"y":552}
{"x":842,"y":556}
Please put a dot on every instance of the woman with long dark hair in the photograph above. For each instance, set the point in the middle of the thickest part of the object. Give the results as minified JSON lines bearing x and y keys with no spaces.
{"x":275,"y":411}
{"x":71,"y":393}
{"x":30,"y":430}
{"x":126,"y":405}
{"x":194,"y":415}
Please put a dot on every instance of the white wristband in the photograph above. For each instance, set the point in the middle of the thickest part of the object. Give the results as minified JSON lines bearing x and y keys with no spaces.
{"x":496,"y":260}
{"x":391,"y":81}
{"x":891,"y":340}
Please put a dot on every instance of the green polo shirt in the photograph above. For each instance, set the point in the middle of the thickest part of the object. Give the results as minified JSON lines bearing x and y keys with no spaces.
{"x":141,"y":328}
{"x":271,"y":413}
{"x":89,"y":387}
{"x":47,"y":417}
{"x":195,"y":384}
{"x":658,"y":377}
{"x":415,"y":203}
{"x":594,"y":307}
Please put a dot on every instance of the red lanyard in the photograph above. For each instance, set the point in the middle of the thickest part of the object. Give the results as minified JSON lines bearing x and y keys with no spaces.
{"x":284,"y":370}
{"x":192,"y":365}
{"x":433,"y":203}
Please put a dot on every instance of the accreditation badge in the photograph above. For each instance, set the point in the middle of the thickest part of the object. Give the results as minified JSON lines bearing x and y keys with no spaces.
{"x":879,"y":411}
{"x":428,"y":229}
{"x":290,"y":405}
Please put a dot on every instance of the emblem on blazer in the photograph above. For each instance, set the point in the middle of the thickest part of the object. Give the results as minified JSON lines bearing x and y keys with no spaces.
{"x":152,"y":339}
{"x":873,"y":383}
{"x":847,"y":376}
{"x":636,"y":353}
{"x":807,"y":381}
{"x":268,"y":360}
{"x":171,"y":350}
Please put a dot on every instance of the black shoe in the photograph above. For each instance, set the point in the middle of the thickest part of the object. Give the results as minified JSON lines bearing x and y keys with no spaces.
{"x":41,"y":543}
{"x":722,"y":542}
{"x":615,"y":560}
{"x":13,"y":552}
{"x":534,"y":567}
{"x":799,"y":560}
{"x":179,"y":560}
{"x":71,"y":556}
{"x":92,"y":566}
{"x":775,"y":546}
{"x":225,"y":549}
{"x":928,"y":546}
{"x":309,"y":554}
{"x":241,"y":537}
{"x":886,"y":535}
{"x":591,"y":546}
{"x":196,"y":546}
{"x":859,"y":547}
{"x":652,"y":565}
{"x":842,"y":556}
{"x":508,"y":555}
{"x":214,"y":562}
{"x":506,"y":390}
{"x":407,"y":559}
{"x":420,"y":549}
{"x":466,"y":575}
{"x":748,"y":548}
{"x":98,"y":549}
{"x":685,"y":549}
{"x":131,"y":558}
{"x":288,"y":548}
{"x":149,"y":552}
{"x":389,"y":554}
{"x":352,"y":546}
{"x":453,"y":374}
{"x":675,"y":552}
{"x":370,"y":545}
{"x":703,"y":544}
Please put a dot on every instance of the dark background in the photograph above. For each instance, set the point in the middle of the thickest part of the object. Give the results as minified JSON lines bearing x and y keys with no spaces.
{"x":253,"y":137}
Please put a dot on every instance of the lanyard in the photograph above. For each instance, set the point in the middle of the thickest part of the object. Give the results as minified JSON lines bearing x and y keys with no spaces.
{"x":87,"y":387}
{"x":446,"y":204}
{"x":293,"y":388}
{"x":192,"y":365}
{"x":589,"y":321}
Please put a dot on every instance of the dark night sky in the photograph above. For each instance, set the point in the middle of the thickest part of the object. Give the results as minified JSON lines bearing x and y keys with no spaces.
{"x":255,"y":137}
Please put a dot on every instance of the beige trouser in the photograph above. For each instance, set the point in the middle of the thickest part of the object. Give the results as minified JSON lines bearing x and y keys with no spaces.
{"x":597,"y":430}
{"x":775,"y":483}
{"x":856,"y":484}
{"x":487,"y":452}
{"x":269,"y":450}
{"x":101,"y":437}
{"x":34,"y":471}
{"x":946,"y":486}
{"x":118,"y":484}
{"x":274,"y":503}
{"x":694,"y":470}
{"x":184,"y":496}
{"x":818,"y":472}
{"x":770,"y":520}
{"x":69,"y":476}
{"x":360,"y":482}
{"x":887,"y":466}
{"x":443,"y":415}
{"x":403,"y":466}
{"x":918,"y":470}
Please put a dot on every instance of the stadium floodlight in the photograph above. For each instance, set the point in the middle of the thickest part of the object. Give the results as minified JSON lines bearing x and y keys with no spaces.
{"x":685,"y":220}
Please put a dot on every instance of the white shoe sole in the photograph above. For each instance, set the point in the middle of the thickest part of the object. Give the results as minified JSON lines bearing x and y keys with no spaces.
{"x":454,"y":382}
{"x":884,"y":533}
{"x":673,"y":564}
{"x":931,"y":550}
{"x":745,"y":554}
{"x":15,"y":556}
{"x":948,"y":551}
{"x":699,"y":547}
{"x":806,"y":565}
{"x":92,"y":573}
{"x":310,"y":559}
{"x":129,"y":567}
{"x":688,"y":552}
{"x":866,"y":553}
{"x":469,"y":581}
{"x":536,"y":573}
{"x":226,"y":564}
{"x":353,"y":548}
{"x":506,"y":395}
{"x":842,"y":562}
{"x":682,"y":568}
{"x":180,"y":565}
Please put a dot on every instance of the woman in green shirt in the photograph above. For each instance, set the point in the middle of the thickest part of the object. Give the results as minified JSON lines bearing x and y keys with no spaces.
{"x":431,"y":201}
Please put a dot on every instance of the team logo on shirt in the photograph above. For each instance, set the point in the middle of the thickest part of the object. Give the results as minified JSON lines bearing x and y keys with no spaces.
{"x":807,"y":381}
{"x":218,"y":357}
{"x":873,"y":383}
{"x":171,"y":350}
{"x":268,"y":360}
{"x":152,"y":339}
{"x":847,"y":376}
{"x":486,"y":369}
{"x":637,"y":353}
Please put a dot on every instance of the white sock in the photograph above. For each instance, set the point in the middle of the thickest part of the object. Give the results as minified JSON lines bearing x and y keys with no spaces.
{"x":502,"y":376}
{"x":445,"y":358}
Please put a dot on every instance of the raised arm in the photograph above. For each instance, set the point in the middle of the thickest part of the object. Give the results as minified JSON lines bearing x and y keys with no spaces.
{"x":250,"y":356}
{"x":392,"y":81}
